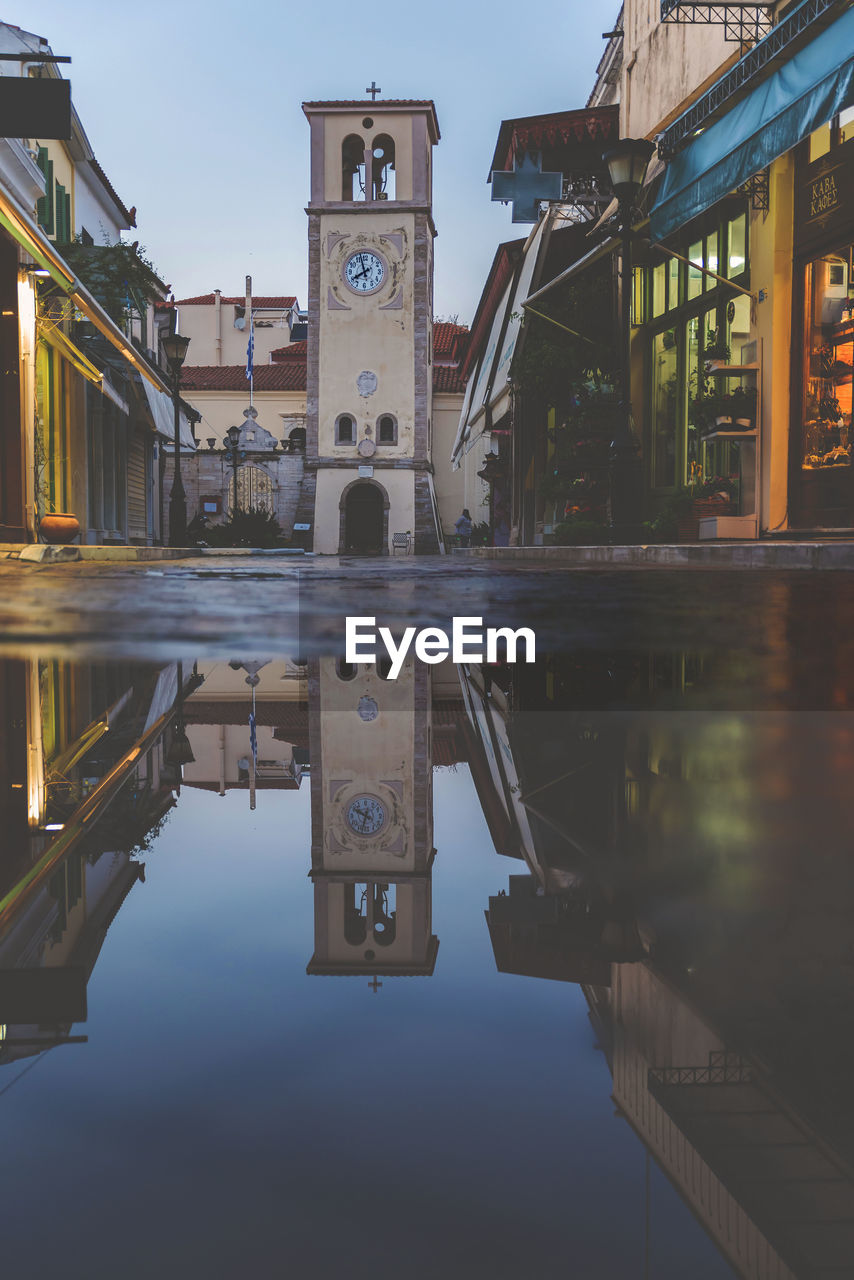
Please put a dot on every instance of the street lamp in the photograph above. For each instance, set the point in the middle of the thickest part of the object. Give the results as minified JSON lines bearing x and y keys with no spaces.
{"x":627,"y":165}
{"x":233,"y":434}
{"x":175,"y":349}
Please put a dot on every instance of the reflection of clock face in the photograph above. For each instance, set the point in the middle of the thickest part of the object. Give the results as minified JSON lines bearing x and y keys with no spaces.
{"x":366,"y":815}
{"x":364,"y":271}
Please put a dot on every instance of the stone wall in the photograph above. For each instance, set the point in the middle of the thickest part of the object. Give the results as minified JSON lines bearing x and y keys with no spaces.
{"x":208,"y":475}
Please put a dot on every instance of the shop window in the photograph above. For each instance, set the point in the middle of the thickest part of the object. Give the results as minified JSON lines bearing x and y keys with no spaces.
{"x":829,"y":363}
{"x":386,"y":429}
{"x":664,"y":409}
{"x":736,"y":246}
{"x":353,"y":168}
{"x":673,"y":265}
{"x":742,"y":348}
{"x":639,"y":315}
{"x":709,"y":282}
{"x":695,"y":273}
{"x":846,"y":125}
{"x":659,"y":290}
{"x":382,"y":168}
{"x":345,"y":429}
{"x":820,"y":142}
{"x":695,"y":383}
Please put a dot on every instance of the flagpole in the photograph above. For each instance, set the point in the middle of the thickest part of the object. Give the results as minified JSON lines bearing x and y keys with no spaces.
{"x":253,"y":753}
{"x":250,"y":348}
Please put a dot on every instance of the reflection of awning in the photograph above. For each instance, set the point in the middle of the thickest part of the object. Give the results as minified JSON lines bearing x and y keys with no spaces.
{"x":802,"y":94}
{"x":163,"y":411}
{"x":24,"y":231}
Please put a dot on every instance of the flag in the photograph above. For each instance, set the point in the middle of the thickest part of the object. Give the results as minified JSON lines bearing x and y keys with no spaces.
{"x":253,"y":738}
{"x":250,"y":356}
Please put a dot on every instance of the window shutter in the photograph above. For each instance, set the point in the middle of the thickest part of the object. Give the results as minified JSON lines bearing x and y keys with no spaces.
{"x":45,"y":211}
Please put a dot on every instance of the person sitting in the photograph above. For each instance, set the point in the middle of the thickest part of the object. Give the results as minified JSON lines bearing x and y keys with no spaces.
{"x":463,"y":527}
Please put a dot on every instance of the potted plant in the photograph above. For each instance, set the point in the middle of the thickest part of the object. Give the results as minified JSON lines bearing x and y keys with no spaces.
{"x":744,"y":407}
{"x":717,"y":350}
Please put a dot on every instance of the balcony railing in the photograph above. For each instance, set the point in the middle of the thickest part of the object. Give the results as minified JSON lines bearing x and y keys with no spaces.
{"x":741,"y":22}
{"x":781,"y":42}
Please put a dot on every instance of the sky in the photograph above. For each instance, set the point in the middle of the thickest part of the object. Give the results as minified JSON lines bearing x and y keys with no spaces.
{"x":193,"y":109}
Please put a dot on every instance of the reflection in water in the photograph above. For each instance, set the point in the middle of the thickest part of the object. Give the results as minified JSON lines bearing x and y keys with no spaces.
{"x":688,"y":870}
{"x":693,"y":872}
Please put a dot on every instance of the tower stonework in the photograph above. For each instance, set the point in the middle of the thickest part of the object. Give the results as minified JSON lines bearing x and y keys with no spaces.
{"x":368,"y":465}
{"x":371,"y":820}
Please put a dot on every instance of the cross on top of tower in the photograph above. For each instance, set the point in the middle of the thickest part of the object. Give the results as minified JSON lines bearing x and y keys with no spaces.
{"x":375,"y":986}
{"x":373,"y":90}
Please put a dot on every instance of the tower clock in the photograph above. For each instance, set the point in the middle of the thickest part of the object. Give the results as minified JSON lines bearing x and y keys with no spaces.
{"x":368,"y":470}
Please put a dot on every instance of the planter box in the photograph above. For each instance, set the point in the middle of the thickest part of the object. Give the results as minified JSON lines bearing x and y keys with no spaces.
{"x":688,"y":526}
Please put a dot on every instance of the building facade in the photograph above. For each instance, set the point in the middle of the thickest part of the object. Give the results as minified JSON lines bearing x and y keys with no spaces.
{"x":369,"y":394}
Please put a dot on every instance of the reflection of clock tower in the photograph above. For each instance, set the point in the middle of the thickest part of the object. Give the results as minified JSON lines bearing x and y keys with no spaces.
{"x":368,"y":471}
{"x":371,"y":820}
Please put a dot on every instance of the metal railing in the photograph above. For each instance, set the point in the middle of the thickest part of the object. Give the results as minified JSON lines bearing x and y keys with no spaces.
{"x":780,"y":43}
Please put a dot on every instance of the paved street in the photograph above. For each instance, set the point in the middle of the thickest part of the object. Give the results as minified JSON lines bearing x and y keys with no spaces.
{"x":777,"y":639}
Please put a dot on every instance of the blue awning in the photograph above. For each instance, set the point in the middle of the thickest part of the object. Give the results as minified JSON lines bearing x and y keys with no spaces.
{"x":807,"y":91}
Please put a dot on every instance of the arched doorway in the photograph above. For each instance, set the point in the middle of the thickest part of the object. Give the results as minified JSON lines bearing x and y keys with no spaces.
{"x":364,"y":519}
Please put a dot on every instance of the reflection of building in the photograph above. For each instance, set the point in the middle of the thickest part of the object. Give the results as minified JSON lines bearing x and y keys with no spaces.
{"x":217,"y":716}
{"x":83,"y":782}
{"x":371,"y":819}
{"x":722,"y":840}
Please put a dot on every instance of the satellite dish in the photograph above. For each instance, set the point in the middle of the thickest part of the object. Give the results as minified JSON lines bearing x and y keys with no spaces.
{"x":240,"y":322}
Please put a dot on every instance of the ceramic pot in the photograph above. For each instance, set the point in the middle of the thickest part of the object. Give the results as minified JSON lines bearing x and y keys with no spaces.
{"x":59,"y":527}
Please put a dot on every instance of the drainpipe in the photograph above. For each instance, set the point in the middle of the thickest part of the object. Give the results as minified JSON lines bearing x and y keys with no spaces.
{"x":218,"y":312}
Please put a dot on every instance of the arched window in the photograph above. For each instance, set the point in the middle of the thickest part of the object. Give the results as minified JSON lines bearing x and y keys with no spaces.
{"x":383,"y":666}
{"x":296,"y":440}
{"x":254,"y":488}
{"x":345,"y":429}
{"x":353,"y":168}
{"x":345,"y":670}
{"x":382,"y":168}
{"x":386,"y":429}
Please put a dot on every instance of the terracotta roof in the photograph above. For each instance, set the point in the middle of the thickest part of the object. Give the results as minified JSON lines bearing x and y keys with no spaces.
{"x":294,"y":351}
{"x":446,"y":338}
{"x":367,"y":102}
{"x":287,"y":376}
{"x":447,"y":377}
{"x":283,"y":303}
{"x":129,"y":214}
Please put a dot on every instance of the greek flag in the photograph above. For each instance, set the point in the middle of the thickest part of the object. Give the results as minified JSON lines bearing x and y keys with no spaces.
{"x":250,"y":356}
{"x":253,"y":738}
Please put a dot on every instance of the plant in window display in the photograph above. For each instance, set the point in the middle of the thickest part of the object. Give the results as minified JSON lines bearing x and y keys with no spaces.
{"x":717,"y":350}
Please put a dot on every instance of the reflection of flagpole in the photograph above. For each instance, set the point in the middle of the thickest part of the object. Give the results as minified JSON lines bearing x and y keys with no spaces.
{"x":253,"y":752}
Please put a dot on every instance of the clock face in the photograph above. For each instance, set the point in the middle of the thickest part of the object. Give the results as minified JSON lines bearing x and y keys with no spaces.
{"x":366,"y":815}
{"x":364,"y":271}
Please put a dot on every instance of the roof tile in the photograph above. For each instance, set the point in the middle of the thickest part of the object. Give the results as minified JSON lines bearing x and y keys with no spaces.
{"x":288,"y":376}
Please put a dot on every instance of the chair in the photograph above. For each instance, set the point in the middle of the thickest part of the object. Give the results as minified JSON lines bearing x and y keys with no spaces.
{"x":401,"y":542}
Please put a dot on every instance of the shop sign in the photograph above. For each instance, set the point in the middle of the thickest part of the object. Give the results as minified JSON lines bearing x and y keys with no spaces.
{"x":825,"y":197}
{"x":34,"y":108}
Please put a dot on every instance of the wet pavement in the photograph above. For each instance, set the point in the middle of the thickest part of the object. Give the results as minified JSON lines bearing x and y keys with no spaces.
{"x":487,"y":971}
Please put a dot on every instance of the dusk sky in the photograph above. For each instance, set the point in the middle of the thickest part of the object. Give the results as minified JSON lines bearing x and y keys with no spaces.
{"x":193,"y":109}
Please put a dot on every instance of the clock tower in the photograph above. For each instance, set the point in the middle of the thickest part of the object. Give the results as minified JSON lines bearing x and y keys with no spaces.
{"x":368,"y":469}
{"x":371,"y":820}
